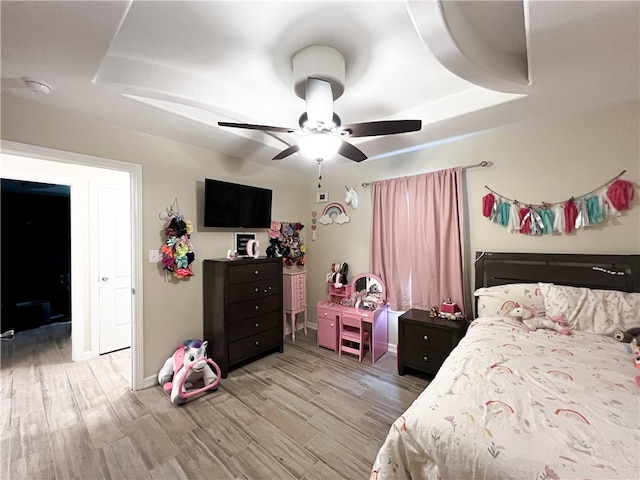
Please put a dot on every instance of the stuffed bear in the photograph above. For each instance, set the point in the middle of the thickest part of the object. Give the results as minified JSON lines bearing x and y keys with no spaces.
{"x":628,"y":335}
{"x":532,"y":323}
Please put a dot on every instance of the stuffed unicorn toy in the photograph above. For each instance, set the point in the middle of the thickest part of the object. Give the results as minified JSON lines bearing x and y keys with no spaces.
{"x":532,"y":322}
{"x":635,"y":353}
{"x":187,"y":365}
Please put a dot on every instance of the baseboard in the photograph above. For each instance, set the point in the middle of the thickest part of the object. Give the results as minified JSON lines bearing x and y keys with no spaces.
{"x":151,"y":381}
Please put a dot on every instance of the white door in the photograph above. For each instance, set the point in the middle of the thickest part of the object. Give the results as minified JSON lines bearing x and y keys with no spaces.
{"x":114,"y":268}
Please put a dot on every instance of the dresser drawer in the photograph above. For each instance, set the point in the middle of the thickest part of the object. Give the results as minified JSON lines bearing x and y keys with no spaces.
{"x":253,"y":325}
{"x":327,"y":312}
{"x":252,"y":308}
{"x":250,"y":346}
{"x":254,"y":289}
{"x":425,"y":336}
{"x":422,"y":358}
{"x":253,"y":272}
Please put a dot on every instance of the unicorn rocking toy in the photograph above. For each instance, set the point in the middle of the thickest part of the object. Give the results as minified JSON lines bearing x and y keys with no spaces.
{"x":186,"y":368}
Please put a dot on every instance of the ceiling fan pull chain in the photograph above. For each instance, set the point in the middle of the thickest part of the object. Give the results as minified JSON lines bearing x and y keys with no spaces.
{"x":319,"y":160}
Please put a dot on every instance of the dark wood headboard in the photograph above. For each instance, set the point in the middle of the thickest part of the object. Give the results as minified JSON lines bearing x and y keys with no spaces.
{"x":609,"y":272}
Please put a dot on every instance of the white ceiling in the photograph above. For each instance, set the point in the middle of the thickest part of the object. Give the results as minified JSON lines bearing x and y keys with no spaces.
{"x":175,"y":69}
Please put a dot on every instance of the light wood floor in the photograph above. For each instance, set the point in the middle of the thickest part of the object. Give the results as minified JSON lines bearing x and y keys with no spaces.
{"x":303,"y":414}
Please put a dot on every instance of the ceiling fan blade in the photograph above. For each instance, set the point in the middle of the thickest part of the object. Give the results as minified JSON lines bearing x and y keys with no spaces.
{"x":285,"y":153}
{"x":351,"y":152}
{"x":384,"y":127}
{"x":319,"y":100}
{"x":250,"y":126}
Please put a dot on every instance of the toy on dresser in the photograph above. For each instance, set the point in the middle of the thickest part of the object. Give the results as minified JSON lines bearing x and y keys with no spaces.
{"x":447,"y":310}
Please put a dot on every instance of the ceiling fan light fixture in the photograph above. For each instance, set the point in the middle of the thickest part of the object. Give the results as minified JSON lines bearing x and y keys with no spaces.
{"x":319,"y":145}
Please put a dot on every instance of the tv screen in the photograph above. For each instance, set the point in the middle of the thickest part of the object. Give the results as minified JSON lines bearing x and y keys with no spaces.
{"x":233,"y":205}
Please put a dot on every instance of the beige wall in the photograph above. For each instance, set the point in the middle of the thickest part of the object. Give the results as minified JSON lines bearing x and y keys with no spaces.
{"x":172,"y":310}
{"x":544,"y":160}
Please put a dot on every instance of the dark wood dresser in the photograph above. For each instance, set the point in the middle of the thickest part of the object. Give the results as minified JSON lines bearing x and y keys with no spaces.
{"x":424,"y":343}
{"x":242,"y":310}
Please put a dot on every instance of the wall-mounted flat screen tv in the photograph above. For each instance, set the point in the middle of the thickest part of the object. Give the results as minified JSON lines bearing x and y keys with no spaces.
{"x":231,"y":205}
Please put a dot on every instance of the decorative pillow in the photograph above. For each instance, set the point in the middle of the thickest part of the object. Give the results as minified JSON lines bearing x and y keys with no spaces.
{"x":501,"y":299}
{"x":594,"y":311}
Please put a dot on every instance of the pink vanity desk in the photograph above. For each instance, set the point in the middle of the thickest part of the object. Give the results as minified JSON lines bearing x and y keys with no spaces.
{"x":329,"y":311}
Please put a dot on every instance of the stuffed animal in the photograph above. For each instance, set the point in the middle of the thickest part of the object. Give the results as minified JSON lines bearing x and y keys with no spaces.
{"x":628,"y":336}
{"x":635,"y":352}
{"x":188,"y":365}
{"x":528,"y":317}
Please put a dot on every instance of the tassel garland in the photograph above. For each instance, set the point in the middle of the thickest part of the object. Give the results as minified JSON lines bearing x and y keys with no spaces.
{"x":567,"y":216}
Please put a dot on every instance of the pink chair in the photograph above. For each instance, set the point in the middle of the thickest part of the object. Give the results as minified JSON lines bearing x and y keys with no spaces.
{"x":352,"y":333}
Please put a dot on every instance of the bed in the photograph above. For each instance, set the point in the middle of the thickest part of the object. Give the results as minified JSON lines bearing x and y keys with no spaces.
{"x":508,"y":403}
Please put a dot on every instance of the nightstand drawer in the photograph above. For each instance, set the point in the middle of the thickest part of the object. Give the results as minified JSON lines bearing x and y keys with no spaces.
{"x":423,"y":359}
{"x":425,"y":342}
{"x":425,"y":336}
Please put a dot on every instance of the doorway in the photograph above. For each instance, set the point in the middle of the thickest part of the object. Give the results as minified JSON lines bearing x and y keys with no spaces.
{"x":81,"y":173}
{"x":35,"y":280}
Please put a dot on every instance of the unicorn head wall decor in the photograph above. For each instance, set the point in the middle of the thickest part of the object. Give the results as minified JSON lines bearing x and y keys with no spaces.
{"x":351,"y":197}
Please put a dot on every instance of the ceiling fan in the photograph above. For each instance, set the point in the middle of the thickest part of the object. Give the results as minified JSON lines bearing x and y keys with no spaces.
{"x":321,"y":128}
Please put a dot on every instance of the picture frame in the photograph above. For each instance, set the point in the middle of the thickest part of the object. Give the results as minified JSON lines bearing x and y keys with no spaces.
{"x":322,"y":197}
{"x":241,"y":239}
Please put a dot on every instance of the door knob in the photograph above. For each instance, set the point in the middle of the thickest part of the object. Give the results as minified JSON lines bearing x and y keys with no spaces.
{"x":104,"y":279}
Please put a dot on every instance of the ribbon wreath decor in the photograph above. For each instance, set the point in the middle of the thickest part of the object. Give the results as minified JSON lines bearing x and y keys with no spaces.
{"x":177,"y":252}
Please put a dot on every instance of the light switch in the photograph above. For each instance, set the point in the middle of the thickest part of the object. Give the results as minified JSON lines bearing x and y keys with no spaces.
{"x":154,"y":256}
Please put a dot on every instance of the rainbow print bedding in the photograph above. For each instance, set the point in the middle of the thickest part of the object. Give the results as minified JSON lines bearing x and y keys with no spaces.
{"x":511,"y":404}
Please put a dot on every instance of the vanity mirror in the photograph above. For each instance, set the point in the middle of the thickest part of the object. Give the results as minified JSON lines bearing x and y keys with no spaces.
{"x":369,"y":290}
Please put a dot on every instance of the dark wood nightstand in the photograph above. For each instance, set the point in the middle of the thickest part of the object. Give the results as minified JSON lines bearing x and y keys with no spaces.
{"x":424,"y":343}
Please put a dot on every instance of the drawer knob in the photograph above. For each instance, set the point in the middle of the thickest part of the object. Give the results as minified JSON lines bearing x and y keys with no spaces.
{"x":325,"y":314}
{"x":256,"y":289}
{"x":256,"y":307}
{"x":332,"y":325}
{"x":269,"y":287}
{"x":266,"y":291}
{"x":426,"y":338}
{"x":257,"y":325}
{"x":257,"y":342}
{"x":425,"y":358}
{"x":255,"y":272}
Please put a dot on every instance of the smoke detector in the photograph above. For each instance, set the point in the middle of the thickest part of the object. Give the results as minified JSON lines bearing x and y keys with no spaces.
{"x":37,"y":86}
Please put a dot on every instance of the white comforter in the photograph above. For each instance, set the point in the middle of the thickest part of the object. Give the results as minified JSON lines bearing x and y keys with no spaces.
{"x":510,"y":404}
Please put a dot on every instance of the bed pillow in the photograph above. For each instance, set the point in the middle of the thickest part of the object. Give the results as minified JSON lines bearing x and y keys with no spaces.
{"x":501,"y":299}
{"x":590,"y":310}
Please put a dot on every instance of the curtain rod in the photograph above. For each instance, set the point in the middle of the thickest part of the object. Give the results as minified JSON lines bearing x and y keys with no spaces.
{"x":483,"y":163}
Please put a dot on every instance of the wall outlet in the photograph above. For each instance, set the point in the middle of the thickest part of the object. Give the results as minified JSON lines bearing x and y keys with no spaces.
{"x":154,"y":256}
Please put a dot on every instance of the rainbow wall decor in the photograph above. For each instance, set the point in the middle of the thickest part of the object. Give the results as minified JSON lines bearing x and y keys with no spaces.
{"x":334,"y":212}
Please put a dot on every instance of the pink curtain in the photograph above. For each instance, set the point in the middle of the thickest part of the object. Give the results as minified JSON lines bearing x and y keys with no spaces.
{"x":417,"y":244}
